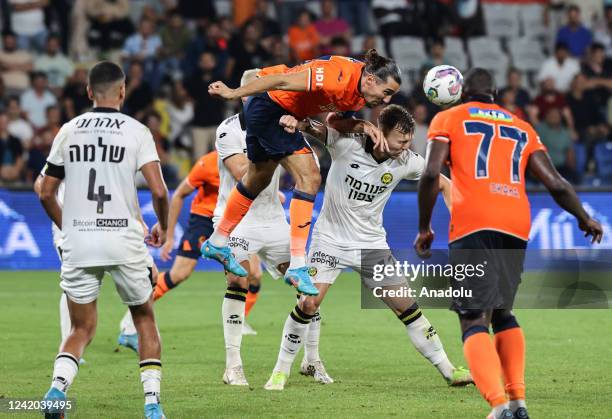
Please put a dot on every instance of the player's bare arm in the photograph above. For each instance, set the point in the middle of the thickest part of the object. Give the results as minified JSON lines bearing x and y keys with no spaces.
{"x":429,"y":187}
{"x":294,"y":82}
{"x":152,"y":174}
{"x":563,"y":193}
{"x":176,"y":203}
{"x":237,"y":165}
{"x":358,"y":126}
{"x":445,"y":188}
{"x":48,"y":197}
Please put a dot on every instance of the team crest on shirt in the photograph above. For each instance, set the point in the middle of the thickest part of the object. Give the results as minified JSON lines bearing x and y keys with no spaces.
{"x":312,"y":271}
{"x":387,"y":178}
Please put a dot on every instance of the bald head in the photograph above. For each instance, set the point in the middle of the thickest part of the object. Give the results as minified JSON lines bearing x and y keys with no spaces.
{"x":478,"y":82}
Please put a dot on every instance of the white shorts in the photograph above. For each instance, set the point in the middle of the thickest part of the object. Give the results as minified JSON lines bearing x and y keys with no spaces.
{"x":133,"y":282}
{"x":326,"y":261}
{"x":269,"y":241}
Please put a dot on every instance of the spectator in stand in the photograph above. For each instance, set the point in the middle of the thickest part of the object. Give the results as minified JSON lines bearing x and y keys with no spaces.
{"x":15,"y":64}
{"x":74,"y":98}
{"x":175,"y":38}
{"x":18,"y":126}
{"x":153,"y":122}
{"x":269,"y":27}
{"x":340,"y":46}
{"x":357,"y":12}
{"x":41,"y":144}
{"x":11,"y":153}
{"x":54,"y":64}
{"x":279,"y":52}
{"x":575,"y":35}
{"x":603,"y":34}
{"x":589,"y":121}
{"x":550,"y":98}
{"x":197,"y":9}
{"x":28,"y":23}
{"x":390,"y":17}
{"x":330,"y":26}
{"x":208,"y":111}
{"x":110,"y":24}
{"x":209,"y":38}
{"x":3,"y":95}
{"x":436,"y":54}
{"x":419,"y":140}
{"x":144,"y":46}
{"x":138,"y":92}
{"x":369,"y":42}
{"x":557,"y":139}
{"x":507,"y":100}
{"x":287,"y":10}
{"x":245,"y":53}
{"x":515,"y":83}
{"x":598,"y":71}
{"x":180,"y":110}
{"x":561,"y":68}
{"x":303,"y":38}
{"x":37,"y":99}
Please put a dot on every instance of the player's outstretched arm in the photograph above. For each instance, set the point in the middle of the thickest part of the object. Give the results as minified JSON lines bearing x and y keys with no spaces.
{"x":48,"y":198}
{"x":563,"y":193}
{"x":429,"y":187}
{"x":176,"y":204}
{"x":153,"y":175}
{"x":294,"y":82}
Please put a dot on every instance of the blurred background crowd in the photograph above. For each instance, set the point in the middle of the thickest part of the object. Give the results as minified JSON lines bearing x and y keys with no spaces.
{"x":551,"y":60}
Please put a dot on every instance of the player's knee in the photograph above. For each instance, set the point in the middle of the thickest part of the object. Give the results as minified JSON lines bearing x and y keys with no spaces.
{"x":254,"y":278}
{"x":503,"y":320}
{"x":471,"y":319}
{"x":237,"y":281}
{"x":310,"y":305}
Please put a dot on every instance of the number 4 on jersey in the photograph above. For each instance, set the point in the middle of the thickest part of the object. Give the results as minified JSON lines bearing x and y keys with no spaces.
{"x":101,"y":197}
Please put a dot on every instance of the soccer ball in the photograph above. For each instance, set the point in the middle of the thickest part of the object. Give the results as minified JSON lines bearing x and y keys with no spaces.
{"x":442,"y":85}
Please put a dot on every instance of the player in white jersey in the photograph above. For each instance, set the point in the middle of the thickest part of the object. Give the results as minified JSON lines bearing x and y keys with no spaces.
{"x":349,"y":231}
{"x":264,"y":231}
{"x":98,"y":154}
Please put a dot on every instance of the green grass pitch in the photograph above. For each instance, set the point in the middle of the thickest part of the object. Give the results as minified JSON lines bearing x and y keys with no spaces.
{"x":377,"y":371}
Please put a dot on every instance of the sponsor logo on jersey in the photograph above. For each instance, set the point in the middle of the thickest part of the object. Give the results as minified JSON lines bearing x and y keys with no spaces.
{"x":387,"y":178}
{"x":319,"y":76}
{"x":364,"y":191}
{"x":323,"y":259}
{"x":490,"y":114}
{"x":330,"y":107}
{"x":112,"y":222}
{"x":354,"y":166}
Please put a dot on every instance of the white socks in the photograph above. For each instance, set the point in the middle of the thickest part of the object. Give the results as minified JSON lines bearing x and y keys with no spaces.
{"x":218,"y":239}
{"x":65,"y":369}
{"x":311,"y":340}
{"x":297,"y":262}
{"x":65,"y":323}
{"x":515,"y":404}
{"x":293,"y":336}
{"x":232,"y":313}
{"x":150,"y":376}
{"x":127,"y":324}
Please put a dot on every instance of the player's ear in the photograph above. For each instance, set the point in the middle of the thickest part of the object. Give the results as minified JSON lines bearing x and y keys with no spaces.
{"x":122,"y":92}
{"x":90,"y":93}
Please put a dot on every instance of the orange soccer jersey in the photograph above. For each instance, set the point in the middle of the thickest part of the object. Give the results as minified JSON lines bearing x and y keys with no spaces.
{"x":489,"y":150}
{"x":333,"y":86}
{"x":204,"y":176}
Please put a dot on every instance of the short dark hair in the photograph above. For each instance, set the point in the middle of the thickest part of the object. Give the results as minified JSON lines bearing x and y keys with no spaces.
{"x":561,"y":45}
{"x":597,"y":46}
{"x":382,"y":67}
{"x":396,"y":117}
{"x":37,"y":75}
{"x":479,"y":81}
{"x":103,"y":75}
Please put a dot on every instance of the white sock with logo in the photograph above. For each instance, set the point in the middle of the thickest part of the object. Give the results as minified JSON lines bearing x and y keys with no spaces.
{"x":232,"y":313}
{"x":312,"y":338}
{"x":65,"y":369}
{"x":425,"y":339}
{"x":292,"y":339}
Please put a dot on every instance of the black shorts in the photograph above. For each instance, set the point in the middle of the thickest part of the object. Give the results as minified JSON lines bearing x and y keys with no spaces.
{"x":198,"y":230}
{"x":497,"y":260}
{"x":265,"y":138}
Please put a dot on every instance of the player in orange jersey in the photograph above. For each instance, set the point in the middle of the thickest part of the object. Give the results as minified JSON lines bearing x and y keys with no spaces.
{"x":328,"y":84}
{"x":488,"y":150}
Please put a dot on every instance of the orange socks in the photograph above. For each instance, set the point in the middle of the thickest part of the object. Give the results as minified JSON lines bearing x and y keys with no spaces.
{"x":238,"y":204}
{"x":484,"y":364}
{"x":300,"y":215}
{"x":163,"y":285}
{"x":251,"y":298}
{"x":510,"y":345}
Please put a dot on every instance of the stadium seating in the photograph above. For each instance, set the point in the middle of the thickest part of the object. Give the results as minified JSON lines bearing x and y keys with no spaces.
{"x":455,"y":53}
{"x":409,"y":53}
{"x":486,"y":52}
{"x":526,"y":54}
{"x":603,"y":159}
{"x":357,"y":44}
{"x":502,"y":20}
{"x":532,"y":20}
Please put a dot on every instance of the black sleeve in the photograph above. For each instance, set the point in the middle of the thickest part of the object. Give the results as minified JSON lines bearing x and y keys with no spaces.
{"x":55,"y":171}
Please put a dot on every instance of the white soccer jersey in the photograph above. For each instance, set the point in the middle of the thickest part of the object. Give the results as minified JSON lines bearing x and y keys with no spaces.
{"x":356,"y":191}
{"x":100,"y":153}
{"x":231,"y":139}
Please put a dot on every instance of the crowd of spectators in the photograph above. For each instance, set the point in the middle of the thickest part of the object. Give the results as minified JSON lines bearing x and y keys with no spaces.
{"x":172,"y":49}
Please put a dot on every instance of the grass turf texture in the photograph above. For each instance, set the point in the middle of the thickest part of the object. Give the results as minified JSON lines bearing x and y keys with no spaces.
{"x":377,"y":371}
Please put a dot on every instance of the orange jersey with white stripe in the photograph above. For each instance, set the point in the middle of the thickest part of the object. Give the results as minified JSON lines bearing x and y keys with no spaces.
{"x":489,"y":150}
{"x":204,"y":176}
{"x":333,"y":86}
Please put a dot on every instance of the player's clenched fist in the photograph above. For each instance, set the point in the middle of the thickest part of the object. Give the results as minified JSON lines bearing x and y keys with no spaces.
{"x":219,"y":89}
{"x":289,"y":123}
{"x":422,"y":243}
